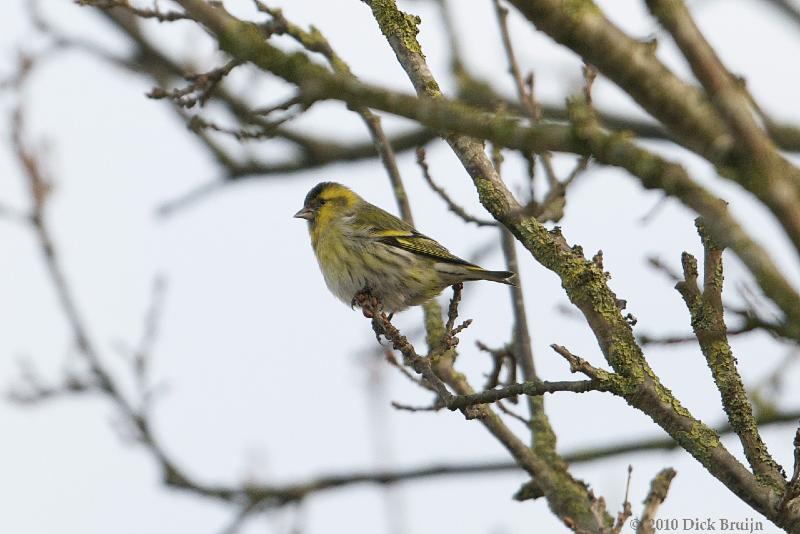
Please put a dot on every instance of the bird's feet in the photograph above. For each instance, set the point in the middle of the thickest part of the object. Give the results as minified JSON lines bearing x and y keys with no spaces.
{"x":372,"y":308}
{"x":370,"y":305}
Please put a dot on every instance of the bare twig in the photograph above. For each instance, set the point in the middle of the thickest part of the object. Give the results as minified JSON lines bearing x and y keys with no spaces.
{"x":147,"y":13}
{"x":626,"y":512}
{"x":503,"y":408}
{"x":658,"y":492}
{"x":389,"y":357}
{"x":579,"y":365}
{"x":499,"y":357}
{"x":533,"y":389}
{"x":451,"y":204}
{"x":31,"y":389}
{"x":658,"y":264}
{"x":649,"y":339}
{"x":314,"y":41}
{"x":382,"y":326}
{"x":200,"y":88}
{"x":793,"y":487}
{"x":435,"y":407}
{"x":787,"y":8}
{"x":100,"y":379}
{"x":265,"y":130}
{"x":13,"y":214}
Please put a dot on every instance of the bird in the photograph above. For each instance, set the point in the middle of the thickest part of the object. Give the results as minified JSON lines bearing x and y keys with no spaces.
{"x":363,"y":250}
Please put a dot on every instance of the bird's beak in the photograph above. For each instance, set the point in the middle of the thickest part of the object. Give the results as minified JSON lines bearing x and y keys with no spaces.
{"x":305,"y":213}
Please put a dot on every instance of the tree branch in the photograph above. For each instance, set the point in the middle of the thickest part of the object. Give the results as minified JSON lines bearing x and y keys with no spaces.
{"x":451,"y":204}
{"x":314,"y":41}
{"x":708,"y":323}
{"x":567,"y":497}
{"x":659,"y":488}
{"x":759,"y":167}
{"x":655,"y":172}
{"x":533,"y":389}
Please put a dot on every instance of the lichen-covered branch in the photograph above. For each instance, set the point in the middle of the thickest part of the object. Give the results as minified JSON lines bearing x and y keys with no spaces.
{"x":633,"y":65}
{"x":442,"y":374}
{"x":708,"y":324}
{"x":683,"y":109}
{"x":656,"y":172}
{"x":758,"y":165}
{"x":567,"y":497}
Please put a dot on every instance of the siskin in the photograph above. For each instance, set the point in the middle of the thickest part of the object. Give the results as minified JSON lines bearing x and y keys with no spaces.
{"x":363,"y":249}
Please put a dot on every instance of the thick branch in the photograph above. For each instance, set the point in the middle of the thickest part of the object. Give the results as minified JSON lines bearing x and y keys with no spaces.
{"x":683,"y":109}
{"x":759,"y":167}
{"x":656,"y":172}
{"x":633,"y":65}
{"x":725,"y":93}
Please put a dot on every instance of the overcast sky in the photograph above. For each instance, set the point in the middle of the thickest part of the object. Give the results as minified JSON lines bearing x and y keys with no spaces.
{"x":267,"y":375}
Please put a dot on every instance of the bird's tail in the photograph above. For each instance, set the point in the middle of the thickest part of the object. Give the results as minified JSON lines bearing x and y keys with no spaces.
{"x":452,"y":273}
{"x":503,"y":277}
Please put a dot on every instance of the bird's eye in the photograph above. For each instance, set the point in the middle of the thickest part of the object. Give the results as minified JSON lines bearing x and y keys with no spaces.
{"x":322,"y":202}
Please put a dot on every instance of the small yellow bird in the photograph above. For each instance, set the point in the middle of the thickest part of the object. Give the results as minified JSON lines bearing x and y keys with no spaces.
{"x":364,"y":249}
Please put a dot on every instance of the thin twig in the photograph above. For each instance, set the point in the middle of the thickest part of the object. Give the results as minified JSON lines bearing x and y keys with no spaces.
{"x":147,"y":13}
{"x":525,"y":93}
{"x":626,"y":511}
{"x":659,"y":488}
{"x":503,"y":408}
{"x":499,"y":358}
{"x":793,"y":487}
{"x":200,"y":88}
{"x":533,"y":389}
{"x":389,"y":356}
{"x":451,"y":204}
{"x":314,"y":41}
{"x":380,"y":323}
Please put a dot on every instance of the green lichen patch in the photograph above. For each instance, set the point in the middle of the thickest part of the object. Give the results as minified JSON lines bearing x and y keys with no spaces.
{"x":700,"y":441}
{"x":396,"y":24}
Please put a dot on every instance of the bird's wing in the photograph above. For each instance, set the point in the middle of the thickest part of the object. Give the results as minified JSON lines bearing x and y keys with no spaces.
{"x":423,"y":245}
{"x":390,"y":230}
